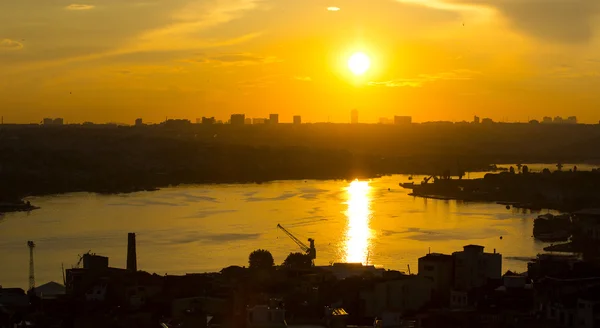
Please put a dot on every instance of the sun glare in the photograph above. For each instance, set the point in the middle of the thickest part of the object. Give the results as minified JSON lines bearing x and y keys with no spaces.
{"x":359,"y":63}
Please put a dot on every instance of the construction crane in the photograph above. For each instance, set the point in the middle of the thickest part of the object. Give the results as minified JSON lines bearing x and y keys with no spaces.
{"x":311,"y":251}
{"x":81,"y":258}
{"x":31,"y":246}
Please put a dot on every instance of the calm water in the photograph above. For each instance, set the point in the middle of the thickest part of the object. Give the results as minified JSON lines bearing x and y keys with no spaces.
{"x":208,"y":227}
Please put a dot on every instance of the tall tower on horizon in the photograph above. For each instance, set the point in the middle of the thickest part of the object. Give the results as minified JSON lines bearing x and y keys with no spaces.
{"x":131,"y":253}
{"x":354,"y":116}
{"x":31,"y":246}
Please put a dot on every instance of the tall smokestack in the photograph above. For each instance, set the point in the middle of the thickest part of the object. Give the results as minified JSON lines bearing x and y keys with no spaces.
{"x":131,"y":253}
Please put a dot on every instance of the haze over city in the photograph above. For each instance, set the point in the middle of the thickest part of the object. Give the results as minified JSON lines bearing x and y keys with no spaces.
{"x":430,"y":59}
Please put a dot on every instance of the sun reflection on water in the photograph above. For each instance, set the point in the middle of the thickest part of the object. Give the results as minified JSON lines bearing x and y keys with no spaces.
{"x":358,"y":233}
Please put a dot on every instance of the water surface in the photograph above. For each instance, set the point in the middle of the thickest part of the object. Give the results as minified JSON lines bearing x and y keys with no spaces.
{"x":208,"y":227}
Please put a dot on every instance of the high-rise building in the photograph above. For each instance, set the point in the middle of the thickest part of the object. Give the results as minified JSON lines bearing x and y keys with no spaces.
{"x":139,"y":122}
{"x":572,"y":120}
{"x":248,"y":120}
{"x":476,"y":120}
{"x":297,"y":119}
{"x":547,"y":119}
{"x":47,"y":121}
{"x":238,"y":119}
{"x":402,"y":120}
{"x":558,"y":119}
{"x":354,"y":116}
{"x":273,"y":118}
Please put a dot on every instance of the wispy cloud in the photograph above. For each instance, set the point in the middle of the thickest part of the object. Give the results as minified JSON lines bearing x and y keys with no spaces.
{"x":8,"y":44}
{"x":563,"y":21}
{"x":333,"y":8}
{"x":422,"y":79}
{"x":236,"y":59}
{"x":303,"y":78}
{"x":78,"y":6}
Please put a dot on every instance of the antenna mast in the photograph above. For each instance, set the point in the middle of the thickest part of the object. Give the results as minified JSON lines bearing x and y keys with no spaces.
{"x":31,"y":246}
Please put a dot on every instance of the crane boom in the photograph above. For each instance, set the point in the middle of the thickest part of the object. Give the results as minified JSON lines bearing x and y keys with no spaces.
{"x":309,"y":250}
{"x":292,"y":237}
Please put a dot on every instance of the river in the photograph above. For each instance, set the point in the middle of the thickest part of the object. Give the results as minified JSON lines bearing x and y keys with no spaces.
{"x":204,"y":228}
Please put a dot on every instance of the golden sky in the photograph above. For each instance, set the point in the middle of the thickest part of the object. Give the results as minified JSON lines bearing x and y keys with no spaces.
{"x":115,"y":60}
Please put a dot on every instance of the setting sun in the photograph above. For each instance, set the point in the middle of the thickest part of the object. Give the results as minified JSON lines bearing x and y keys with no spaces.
{"x":359,"y":63}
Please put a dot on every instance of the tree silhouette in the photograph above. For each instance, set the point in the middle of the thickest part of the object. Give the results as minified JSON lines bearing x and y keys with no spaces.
{"x":261,"y":259}
{"x":512,"y":170}
{"x":297,"y":261}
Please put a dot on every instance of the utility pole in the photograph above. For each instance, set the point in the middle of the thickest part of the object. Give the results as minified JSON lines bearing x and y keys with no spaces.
{"x":31,"y":246}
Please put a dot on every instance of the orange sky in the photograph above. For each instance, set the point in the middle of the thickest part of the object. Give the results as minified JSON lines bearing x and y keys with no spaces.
{"x":115,"y":60}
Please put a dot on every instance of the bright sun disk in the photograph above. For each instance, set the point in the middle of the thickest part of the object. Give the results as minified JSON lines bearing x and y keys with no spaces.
{"x":359,"y":63}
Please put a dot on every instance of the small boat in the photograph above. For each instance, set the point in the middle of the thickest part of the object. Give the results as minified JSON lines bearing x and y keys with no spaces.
{"x":407,"y":185}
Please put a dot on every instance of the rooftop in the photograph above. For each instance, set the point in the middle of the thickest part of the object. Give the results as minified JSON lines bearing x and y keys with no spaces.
{"x":437,"y":257}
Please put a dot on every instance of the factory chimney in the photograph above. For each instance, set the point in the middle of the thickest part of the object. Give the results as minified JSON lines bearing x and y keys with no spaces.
{"x":131,"y":253}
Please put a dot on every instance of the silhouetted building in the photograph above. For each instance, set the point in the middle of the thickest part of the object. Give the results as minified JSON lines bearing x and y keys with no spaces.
{"x":139,"y":122}
{"x":558,"y":120}
{"x":402,"y":120}
{"x":208,"y":120}
{"x":385,"y":120}
{"x":476,"y":120}
{"x":354,"y":116}
{"x":177,"y":123}
{"x":439,"y":268}
{"x":259,"y":120}
{"x":273,"y":118}
{"x":238,"y":119}
{"x":487,"y":121}
{"x":473,"y":268}
{"x":534,"y":122}
{"x":94,"y":262}
{"x":297,"y":119}
{"x":547,"y":119}
{"x":406,"y":293}
{"x":55,"y":121}
{"x":572,"y":120}
{"x":248,"y":120}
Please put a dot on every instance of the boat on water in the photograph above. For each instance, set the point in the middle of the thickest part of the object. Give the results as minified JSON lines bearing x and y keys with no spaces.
{"x":407,"y":185}
{"x":552,"y":228}
{"x":16,"y":207}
